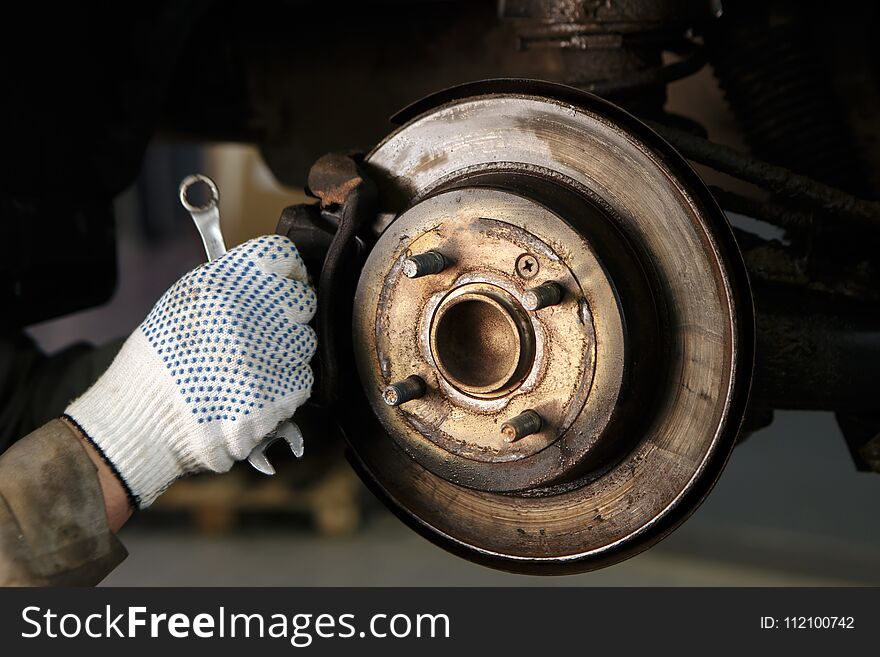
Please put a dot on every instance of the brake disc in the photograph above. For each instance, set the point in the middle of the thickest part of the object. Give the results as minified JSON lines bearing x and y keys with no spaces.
{"x":553,"y":329}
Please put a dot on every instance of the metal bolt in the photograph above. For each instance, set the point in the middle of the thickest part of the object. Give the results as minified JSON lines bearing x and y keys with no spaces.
{"x":527,"y":266}
{"x":429,"y":262}
{"x":412,"y":387}
{"x":548,"y":294}
{"x":524,"y":424}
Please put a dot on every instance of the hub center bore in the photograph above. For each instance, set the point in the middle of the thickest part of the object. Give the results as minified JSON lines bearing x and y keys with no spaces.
{"x":482,"y":341}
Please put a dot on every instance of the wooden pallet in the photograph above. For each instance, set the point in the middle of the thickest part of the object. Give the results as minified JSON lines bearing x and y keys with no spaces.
{"x":216,"y":502}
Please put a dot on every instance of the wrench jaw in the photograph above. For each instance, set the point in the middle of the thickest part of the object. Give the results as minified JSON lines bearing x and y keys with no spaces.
{"x":287,"y":431}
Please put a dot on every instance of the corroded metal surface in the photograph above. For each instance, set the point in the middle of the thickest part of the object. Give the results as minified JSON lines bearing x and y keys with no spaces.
{"x":644,"y":406}
{"x":455,"y":428}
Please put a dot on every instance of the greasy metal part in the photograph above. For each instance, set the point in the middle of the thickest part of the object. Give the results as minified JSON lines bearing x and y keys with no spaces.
{"x":767,"y":211}
{"x":547,"y":294}
{"x":206,"y":217}
{"x":412,"y":387}
{"x":777,"y":179}
{"x":312,"y":233}
{"x":328,"y":241}
{"x":573,"y":17}
{"x":333,"y":177}
{"x":424,"y":264}
{"x":692,"y":60}
{"x":773,"y":261}
{"x":524,"y":424}
{"x":614,"y":49}
{"x":487,"y":176}
{"x":814,"y":349}
{"x":336,"y":180}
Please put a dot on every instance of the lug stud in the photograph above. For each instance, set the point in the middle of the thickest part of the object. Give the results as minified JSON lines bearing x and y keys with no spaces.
{"x":423,"y":264}
{"x":412,"y":387}
{"x":524,"y":424}
{"x":548,"y":294}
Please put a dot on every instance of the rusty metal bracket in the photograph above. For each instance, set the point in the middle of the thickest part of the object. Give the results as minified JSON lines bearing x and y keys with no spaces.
{"x":347,"y":198}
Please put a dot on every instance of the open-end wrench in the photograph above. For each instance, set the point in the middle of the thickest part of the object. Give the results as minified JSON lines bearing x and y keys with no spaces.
{"x":207,"y":220}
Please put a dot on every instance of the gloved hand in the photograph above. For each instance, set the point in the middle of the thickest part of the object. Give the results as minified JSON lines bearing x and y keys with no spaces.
{"x":220,"y":360}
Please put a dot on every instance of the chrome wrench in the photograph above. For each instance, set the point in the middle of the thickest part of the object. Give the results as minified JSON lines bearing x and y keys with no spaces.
{"x":207,"y":221}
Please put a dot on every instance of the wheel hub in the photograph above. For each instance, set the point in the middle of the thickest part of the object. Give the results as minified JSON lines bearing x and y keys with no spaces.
{"x":482,"y":340}
{"x":485,"y":359}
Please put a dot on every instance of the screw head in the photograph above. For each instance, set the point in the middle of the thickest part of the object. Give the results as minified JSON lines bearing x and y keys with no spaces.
{"x":527,"y":266}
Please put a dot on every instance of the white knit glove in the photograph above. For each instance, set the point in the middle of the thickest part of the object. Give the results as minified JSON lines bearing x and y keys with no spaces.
{"x":220,"y":360}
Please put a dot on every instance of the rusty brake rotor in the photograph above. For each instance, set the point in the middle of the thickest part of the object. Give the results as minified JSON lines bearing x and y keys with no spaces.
{"x":553,"y":329}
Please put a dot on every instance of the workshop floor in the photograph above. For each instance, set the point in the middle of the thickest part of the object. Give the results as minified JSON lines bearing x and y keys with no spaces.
{"x":789,"y":511}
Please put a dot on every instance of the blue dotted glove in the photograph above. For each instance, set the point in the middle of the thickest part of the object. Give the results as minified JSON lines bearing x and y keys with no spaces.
{"x":221,"y":359}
